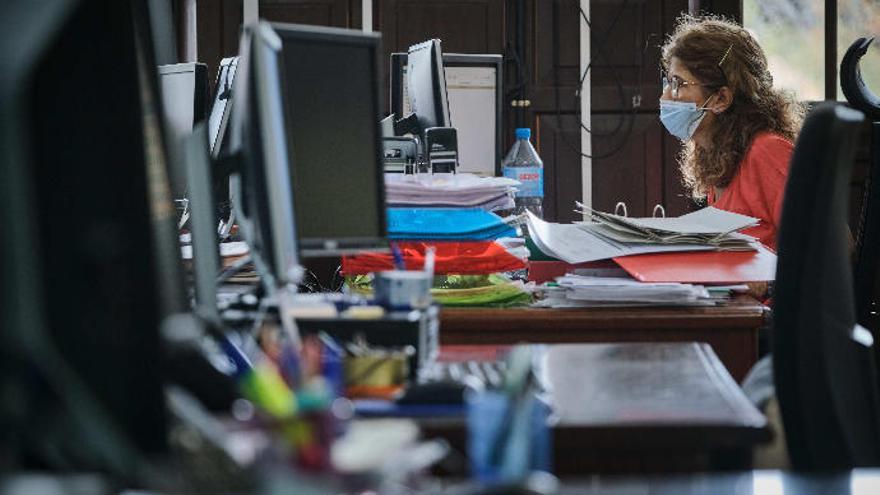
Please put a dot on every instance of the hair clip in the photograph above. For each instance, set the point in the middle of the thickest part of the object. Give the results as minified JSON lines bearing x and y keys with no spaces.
{"x":723,"y":58}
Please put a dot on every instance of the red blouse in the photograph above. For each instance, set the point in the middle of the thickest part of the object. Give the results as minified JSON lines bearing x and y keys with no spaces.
{"x":758,"y":186}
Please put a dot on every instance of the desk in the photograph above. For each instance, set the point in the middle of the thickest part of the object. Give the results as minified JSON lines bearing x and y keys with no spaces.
{"x":640,"y":408}
{"x":731,"y":329}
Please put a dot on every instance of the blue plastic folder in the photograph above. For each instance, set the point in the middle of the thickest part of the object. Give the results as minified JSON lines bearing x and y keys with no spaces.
{"x":446,"y":224}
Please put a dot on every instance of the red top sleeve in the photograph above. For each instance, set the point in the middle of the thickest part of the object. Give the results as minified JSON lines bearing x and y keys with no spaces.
{"x":758,"y":186}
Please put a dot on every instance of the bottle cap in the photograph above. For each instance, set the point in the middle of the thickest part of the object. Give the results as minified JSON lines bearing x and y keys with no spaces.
{"x":523,"y":133}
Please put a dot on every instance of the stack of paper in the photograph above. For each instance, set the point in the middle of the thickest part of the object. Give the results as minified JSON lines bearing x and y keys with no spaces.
{"x":709,"y":226}
{"x":590,"y":290}
{"x":705,"y":230}
{"x":449,"y":190}
{"x":446,"y":224}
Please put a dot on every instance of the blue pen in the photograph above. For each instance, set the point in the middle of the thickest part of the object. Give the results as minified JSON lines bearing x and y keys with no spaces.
{"x":398,"y":256}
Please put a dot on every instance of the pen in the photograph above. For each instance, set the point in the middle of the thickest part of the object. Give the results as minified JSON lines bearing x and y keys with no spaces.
{"x":398,"y":256}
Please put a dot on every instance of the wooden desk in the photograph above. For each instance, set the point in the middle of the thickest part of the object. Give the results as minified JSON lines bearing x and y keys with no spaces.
{"x":624,"y":408}
{"x":731,"y":329}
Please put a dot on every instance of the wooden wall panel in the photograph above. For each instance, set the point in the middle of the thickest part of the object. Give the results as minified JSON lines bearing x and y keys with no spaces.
{"x":633,"y":174}
{"x":463,"y":26}
{"x":558,"y":142}
{"x":218,"y":28}
{"x":316,"y":12}
{"x":552,"y":52}
{"x":630,"y":60}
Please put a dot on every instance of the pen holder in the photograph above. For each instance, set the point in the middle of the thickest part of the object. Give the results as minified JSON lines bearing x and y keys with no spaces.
{"x":403,"y":290}
{"x":507,"y":440}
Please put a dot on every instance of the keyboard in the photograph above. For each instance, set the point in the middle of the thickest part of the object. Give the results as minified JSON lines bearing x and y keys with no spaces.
{"x":475,"y":374}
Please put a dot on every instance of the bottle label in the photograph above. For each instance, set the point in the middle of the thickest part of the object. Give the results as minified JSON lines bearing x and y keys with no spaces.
{"x":532,"y":179}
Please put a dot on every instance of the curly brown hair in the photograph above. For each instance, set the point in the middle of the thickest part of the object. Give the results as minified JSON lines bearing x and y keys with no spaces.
{"x":721,"y":53}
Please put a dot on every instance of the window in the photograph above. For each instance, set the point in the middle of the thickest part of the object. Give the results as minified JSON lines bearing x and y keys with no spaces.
{"x":792,"y":33}
{"x":860,"y":19}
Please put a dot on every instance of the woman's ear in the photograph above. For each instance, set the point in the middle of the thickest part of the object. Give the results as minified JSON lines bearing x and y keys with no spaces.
{"x":723,"y":99}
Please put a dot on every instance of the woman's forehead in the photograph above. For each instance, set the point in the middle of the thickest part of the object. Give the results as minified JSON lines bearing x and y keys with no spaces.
{"x":676,"y":68}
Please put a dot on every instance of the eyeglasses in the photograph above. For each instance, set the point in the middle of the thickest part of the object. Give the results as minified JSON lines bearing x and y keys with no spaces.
{"x":675,"y":83}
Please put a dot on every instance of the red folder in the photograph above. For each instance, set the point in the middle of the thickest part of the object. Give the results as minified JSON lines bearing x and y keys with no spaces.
{"x":702,"y":267}
{"x":460,"y":258}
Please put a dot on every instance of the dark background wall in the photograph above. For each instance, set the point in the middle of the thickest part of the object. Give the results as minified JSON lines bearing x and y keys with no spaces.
{"x":634,"y":157}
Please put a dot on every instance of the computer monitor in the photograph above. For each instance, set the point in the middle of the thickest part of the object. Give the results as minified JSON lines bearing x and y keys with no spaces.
{"x":474,"y":85}
{"x":184,"y":89}
{"x":81,"y":202}
{"x":333,"y":107}
{"x":205,"y":256}
{"x":221,"y":108}
{"x":427,"y":85}
{"x":262,"y":194}
{"x":218,"y":140}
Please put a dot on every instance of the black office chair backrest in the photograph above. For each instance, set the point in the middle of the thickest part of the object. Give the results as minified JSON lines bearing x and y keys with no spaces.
{"x":866,"y":268}
{"x":823,"y":362}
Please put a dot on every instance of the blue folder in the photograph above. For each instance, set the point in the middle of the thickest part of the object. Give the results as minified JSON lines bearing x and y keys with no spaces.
{"x":450,"y":224}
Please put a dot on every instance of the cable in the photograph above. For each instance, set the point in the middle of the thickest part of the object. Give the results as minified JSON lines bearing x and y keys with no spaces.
{"x":600,"y":52}
{"x":629,"y":122}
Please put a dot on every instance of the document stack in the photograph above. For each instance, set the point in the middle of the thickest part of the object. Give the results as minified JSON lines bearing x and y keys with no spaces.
{"x":449,"y":191}
{"x":708,"y":226}
{"x":620,"y":290}
{"x":612,"y":236}
{"x":471,"y":247}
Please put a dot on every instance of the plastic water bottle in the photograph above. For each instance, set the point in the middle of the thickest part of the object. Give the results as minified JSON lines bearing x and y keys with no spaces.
{"x":523,"y":164}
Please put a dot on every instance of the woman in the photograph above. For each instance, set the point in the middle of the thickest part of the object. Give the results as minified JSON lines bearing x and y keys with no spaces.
{"x":738,"y":131}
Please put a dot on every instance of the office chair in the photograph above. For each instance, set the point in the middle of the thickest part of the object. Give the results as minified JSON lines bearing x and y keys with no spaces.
{"x":823,"y":361}
{"x":867,"y":240}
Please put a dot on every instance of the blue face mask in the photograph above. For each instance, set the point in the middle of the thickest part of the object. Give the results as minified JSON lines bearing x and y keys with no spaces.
{"x":682,"y":118}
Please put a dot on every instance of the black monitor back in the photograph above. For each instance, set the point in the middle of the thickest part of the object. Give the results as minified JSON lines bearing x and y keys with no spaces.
{"x":83,"y":203}
{"x":471,"y":149}
{"x":333,"y":108}
{"x":823,"y":363}
{"x":427,"y":85}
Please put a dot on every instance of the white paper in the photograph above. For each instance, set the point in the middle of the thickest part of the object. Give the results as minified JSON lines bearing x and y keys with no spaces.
{"x":575,"y":244}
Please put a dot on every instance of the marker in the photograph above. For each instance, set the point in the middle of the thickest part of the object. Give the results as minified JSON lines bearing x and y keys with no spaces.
{"x":398,"y":256}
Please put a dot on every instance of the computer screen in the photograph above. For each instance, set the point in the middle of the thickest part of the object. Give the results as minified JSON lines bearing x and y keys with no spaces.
{"x":84,"y":194}
{"x":218,"y":120}
{"x":427,"y":85}
{"x":333,"y":108}
{"x":474,"y":90}
{"x":218,"y":138}
{"x":184,"y":89}
{"x":262,"y":196}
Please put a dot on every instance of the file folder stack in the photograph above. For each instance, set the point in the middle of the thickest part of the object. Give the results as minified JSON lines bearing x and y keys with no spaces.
{"x":462,"y":258}
{"x":446,"y":224}
{"x":612,"y":236}
{"x":708,"y":226}
{"x":453,"y":215}
{"x":449,"y":191}
{"x":620,"y":290}
{"x":472,"y":246}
